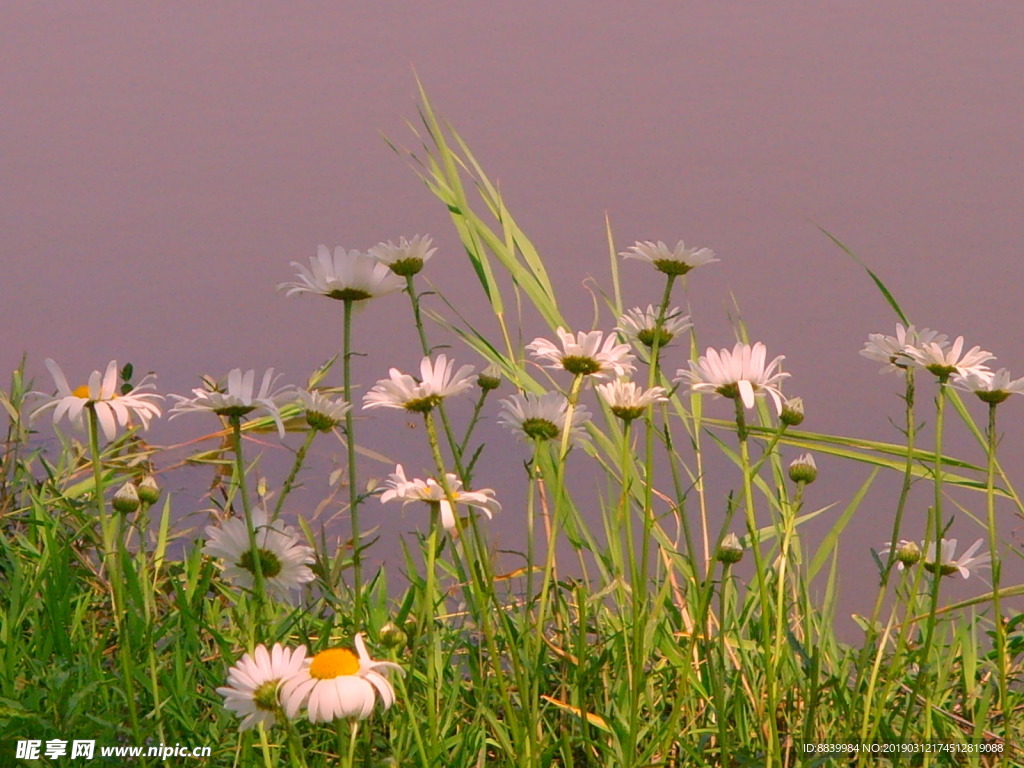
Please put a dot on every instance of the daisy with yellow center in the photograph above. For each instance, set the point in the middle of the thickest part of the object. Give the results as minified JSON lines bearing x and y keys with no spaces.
{"x":101,"y":394}
{"x":338,"y":683}
{"x":343,"y":275}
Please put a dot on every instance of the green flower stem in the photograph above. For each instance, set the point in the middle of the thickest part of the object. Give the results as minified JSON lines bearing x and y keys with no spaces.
{"x":300,"y":458}
{"x":773,"y":754}
{"x":556,"y":502}
{"x":238,"y":480}
{"x":477,"y":408}
{"x":993,"y":548}
{"x":353,"y":488}
{"x":111,"y":558}
{"x":719,"y":677}
{"x":296,"y":752}
{"x":531,"y":543}
{"x":933,"y":540}
{"x":456,"y":449}
{"x":871,"y":633}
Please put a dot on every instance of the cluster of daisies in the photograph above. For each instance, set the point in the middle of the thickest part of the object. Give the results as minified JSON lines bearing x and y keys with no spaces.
{"x":932,"y":351}
{"x":264,"y":687}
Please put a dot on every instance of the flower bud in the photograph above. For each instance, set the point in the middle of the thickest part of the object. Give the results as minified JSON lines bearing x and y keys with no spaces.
{"x":393,"y":636}
{"x":792,"y":412}
{"x":730,"y":551}
{"x":907,"y":552}
{"x":803,"y":469}
{"x":489,"y":378}
{"x":126,"y":500}
{"x":148,"y":490}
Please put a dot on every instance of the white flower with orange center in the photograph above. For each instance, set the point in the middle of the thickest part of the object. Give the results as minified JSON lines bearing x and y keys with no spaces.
{"x":338,"y":683}
{"x":584,"y":354}
{"x":255,"y":680}
{"x":343,"y":275}
{"x":112,"y":408}
{"x":741,"y":373}
{"x":671,"y":261}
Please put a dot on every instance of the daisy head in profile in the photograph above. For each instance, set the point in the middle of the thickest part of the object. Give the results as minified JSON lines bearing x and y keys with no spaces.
{"x":343,"y":275}
{"x":112,"y":405}
{"x":641,"y":326}
{"x":238,"y":398}
{"x":675,"y":261}
{"x":437,"y":380}
{"x":406,"y":258}
{"x":255,"y":681}
{"x":892,"y":350}
{"x":338,"y":683}
{"x":540,"y":418}
{"x":584,"y":354}
{"x":399,"y":488}
{"x":741,"y":373}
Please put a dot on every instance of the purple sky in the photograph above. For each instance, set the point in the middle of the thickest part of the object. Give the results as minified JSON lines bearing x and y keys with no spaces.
{"x":163,"y":163}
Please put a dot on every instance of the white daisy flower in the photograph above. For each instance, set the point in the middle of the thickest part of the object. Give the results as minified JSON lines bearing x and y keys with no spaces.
{"x":338,"y":683}
{"x":101,"y":395}
{"x":942,"y":362}
{"x":990,"y":387}
{"x":584,"y":354}
{"x":437,"y":381}
{"x":892,"y":350}
{"x":641,"y":325}
{"x":254,"y":682}
{"x":405,"y":259}
{"x":345,"y":276}
{"x":239,"y":398}
{"x":671,"y":261}
{"x":945,"y":565}
{"x":740,"y":373}
{"x":627,"y":400}
{"x":400,"y":488}
{"x":284,"y":561}
{"x":542,"y":417}
{"x":322,"y":413}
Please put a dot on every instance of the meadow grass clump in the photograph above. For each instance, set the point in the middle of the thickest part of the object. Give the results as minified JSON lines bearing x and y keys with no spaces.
{"x":678,"y":617}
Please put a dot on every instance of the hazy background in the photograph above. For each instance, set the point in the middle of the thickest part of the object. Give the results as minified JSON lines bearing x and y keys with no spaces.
{"x":163,"y":163}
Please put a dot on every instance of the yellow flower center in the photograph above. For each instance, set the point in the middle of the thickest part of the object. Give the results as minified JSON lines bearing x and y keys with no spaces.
{"x":334,"y":662}
{"x":82,"y":391}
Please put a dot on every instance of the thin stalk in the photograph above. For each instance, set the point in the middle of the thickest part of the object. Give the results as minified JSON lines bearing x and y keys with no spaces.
{"x":238,"y":479}
{"x":300,"y":458}
{"x":934,"y":546}
{"x":556,"y":500}
{"x":455,"y":448}
{"x":112,"y":553}
{"x":901,"y":504}
{"x":773,"y":753}
{"x":353,"y":490}
{"x":993,"y":548}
